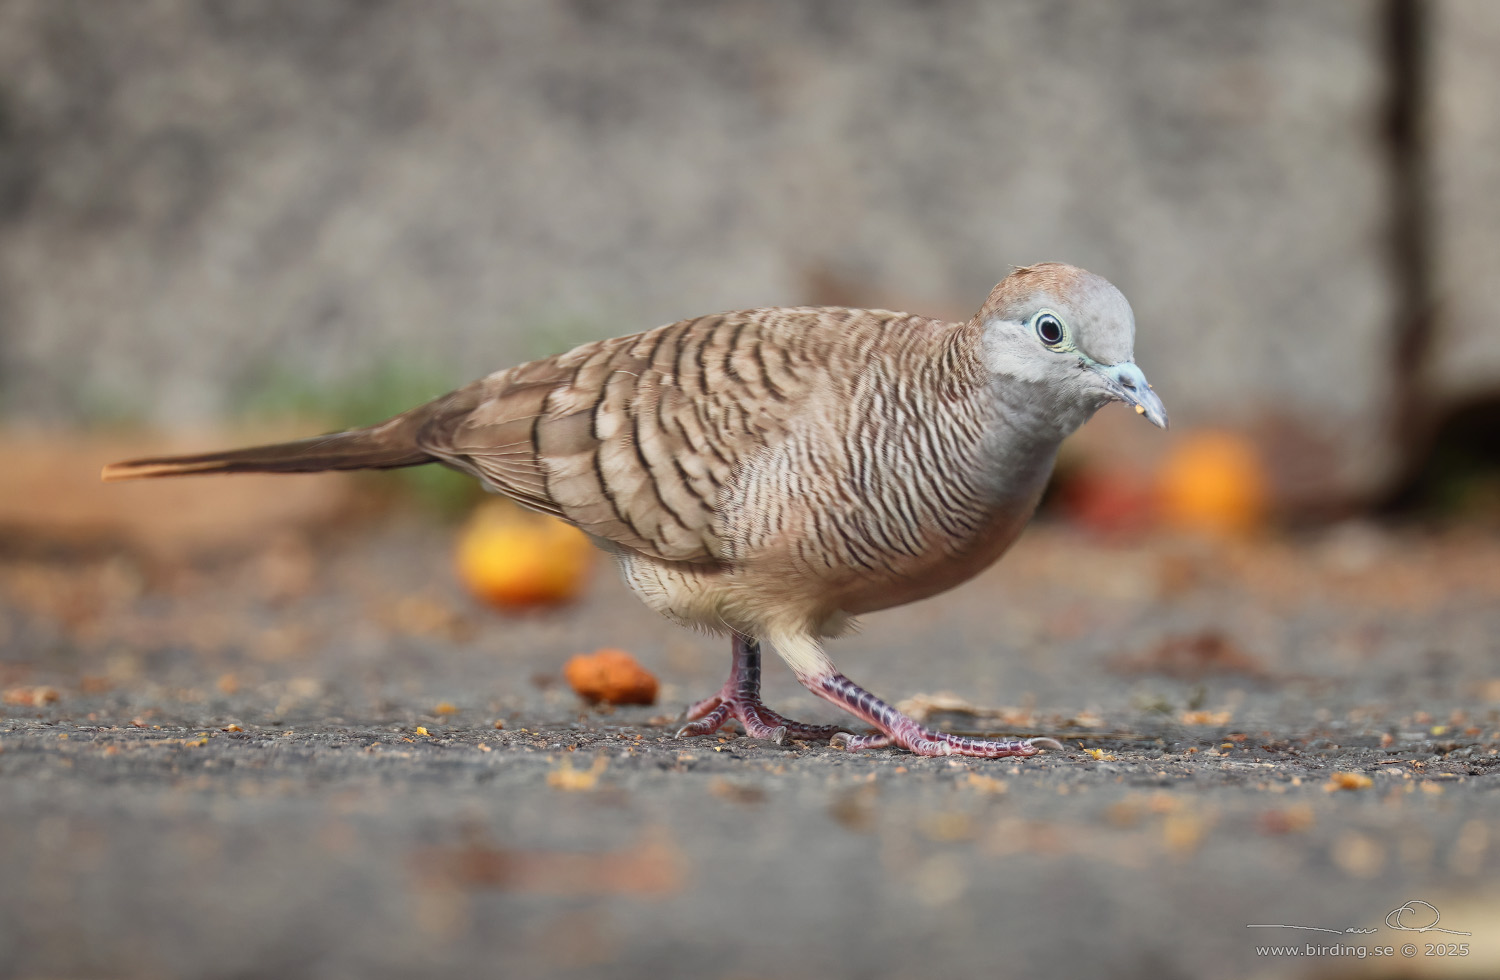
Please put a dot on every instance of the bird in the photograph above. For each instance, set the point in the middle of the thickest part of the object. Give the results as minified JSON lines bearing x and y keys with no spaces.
{"x":772,"y":474}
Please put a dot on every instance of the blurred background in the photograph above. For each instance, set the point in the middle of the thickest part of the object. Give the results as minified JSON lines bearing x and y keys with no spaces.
{"x":235,"y":220}
{"x":227,"y":211}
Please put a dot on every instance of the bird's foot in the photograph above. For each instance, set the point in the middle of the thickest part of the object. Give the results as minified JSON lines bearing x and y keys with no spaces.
{"x":925,"y":741}
{"x":739,"y":699}
{"x":900,"y":730}
{"x":759,"y":721}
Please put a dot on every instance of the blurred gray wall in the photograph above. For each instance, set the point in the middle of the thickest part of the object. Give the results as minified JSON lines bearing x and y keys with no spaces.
{"x":1464,"y":134}
{"x":196,"y":197}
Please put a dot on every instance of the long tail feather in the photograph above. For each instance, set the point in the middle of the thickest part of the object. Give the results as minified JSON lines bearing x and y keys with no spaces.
{"x":383,"y":446}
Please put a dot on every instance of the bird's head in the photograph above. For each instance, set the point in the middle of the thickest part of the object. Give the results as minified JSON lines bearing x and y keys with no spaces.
{"x":1069,"y":334}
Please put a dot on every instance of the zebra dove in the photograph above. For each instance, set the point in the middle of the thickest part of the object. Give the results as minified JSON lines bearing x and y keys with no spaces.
{"x":774,"y":473}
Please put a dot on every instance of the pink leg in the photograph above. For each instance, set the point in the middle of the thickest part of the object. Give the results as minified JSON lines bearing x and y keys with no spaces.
{"x":739,"y":699}
{"x":900,"y":730}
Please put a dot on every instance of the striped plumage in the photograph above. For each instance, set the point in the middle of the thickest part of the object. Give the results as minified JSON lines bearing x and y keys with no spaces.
{"x":811,"y":458}
{"x":771,"y":472}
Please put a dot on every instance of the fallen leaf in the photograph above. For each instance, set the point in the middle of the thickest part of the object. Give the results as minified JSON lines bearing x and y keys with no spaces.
{"x":1192,"y":657}
{"x":1206,"y":717}
{"x":653,"y":867}
{"x":1291,"y":820}
{"x":1163,"y":803}
{"x":1348,"y":780}
{"x":988,"y":785}
{"x":31,"y":697}
{"x":565,"y":777}
{"x":948,"y":826}
{"x":737,"y":792}
{"x":1183,"y":832}
{"x":921,"y":707}
{"x":427,"y":615}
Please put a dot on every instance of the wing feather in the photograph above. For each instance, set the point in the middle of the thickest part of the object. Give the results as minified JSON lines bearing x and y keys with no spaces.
{"x":636,"y":439}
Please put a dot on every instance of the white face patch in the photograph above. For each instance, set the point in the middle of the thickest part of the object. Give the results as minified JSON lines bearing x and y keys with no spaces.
{"x":1011,"y":350}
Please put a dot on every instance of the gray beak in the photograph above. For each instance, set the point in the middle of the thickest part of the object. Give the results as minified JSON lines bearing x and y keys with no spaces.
{"x":1128,"y":384}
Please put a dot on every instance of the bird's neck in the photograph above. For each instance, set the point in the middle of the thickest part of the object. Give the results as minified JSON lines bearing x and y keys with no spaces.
{"x":1032,"y":412}
{"x":1014,"y":426}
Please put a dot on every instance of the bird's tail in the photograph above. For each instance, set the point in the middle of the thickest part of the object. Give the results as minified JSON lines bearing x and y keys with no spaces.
{"x":390,"y":444}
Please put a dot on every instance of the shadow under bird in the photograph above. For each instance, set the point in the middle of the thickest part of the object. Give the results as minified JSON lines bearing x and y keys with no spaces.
{"x":773,"y":473}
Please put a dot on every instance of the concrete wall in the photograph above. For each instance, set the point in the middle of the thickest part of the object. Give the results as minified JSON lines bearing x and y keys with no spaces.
{"x":196,"y":197}
{"x":1464,"y":359}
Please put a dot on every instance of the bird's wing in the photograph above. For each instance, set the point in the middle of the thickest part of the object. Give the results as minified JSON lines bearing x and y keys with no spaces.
{"x":633,"y":439}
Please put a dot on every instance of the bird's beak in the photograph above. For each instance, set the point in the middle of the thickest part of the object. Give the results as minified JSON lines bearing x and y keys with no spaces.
{"x":1128,"y":383}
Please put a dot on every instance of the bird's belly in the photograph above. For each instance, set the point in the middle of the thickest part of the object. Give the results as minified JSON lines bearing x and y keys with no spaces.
{"x":796,"y":581}
{"x":945,"y":569}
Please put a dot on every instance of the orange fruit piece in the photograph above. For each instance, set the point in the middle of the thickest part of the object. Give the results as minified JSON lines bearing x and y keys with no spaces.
{"x":515,"y":558}
{"x":610,"y":676}
{"x":1215,"y":482}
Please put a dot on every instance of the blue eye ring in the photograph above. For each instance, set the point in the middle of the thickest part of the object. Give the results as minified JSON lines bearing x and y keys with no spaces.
{"x":1049,"y":328}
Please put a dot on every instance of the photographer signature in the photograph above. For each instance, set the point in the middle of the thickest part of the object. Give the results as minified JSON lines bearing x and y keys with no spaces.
{"x":1417,"y":910}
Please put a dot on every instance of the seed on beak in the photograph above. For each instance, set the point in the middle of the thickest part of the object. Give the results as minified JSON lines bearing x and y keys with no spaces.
{"x":1140,"y":410}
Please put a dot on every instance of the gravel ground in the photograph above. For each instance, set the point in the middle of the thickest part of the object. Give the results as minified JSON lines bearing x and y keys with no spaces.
{"x":232,"y":780}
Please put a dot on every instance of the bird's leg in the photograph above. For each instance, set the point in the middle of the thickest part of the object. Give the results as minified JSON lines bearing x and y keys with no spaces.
{"x":901,"y":730}
{"x":739,"y":699}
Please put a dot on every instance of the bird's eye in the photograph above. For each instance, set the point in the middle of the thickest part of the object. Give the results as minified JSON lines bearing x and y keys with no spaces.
{"x":1049,"y":328}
